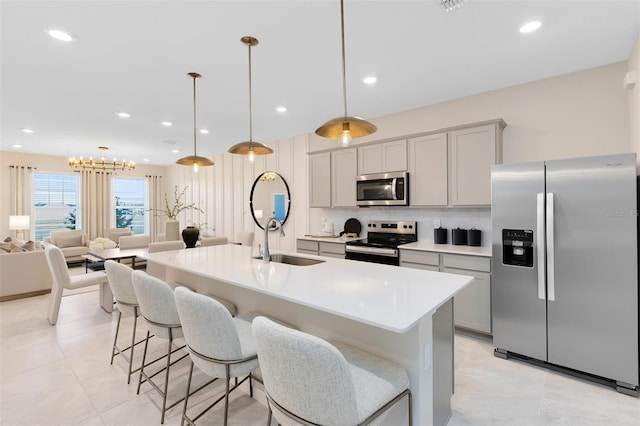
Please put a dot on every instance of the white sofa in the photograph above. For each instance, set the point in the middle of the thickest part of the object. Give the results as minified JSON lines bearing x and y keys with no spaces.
{"x":23,"y":274}
{"x":73,"y":243}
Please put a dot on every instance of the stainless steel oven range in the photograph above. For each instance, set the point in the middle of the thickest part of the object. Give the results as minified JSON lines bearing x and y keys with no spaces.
{"x":383,"y":239}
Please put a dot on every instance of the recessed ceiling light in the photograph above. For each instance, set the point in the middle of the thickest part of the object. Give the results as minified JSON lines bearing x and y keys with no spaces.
{"x":59,"y":35}
{"x":145,"y":160}
{"x":175,"y":151}
{"x":123,"y":114}
{"x":281,"y":109}
{"x":370,"y":80}
{"x":16,"y":146}
{"x":530,"y":26}
{"x":28,"y":131}
{"x":167,"y":123}
{"x":204,"y":131}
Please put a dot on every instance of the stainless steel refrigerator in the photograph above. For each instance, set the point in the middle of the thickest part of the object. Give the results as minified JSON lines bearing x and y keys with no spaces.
{"x":565,"y":264}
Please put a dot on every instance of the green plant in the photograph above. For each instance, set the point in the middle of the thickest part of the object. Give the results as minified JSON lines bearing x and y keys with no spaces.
{"x":171,"y":211}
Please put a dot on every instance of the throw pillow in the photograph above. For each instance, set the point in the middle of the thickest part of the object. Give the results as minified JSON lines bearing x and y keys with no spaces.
{"x":63,"y":242}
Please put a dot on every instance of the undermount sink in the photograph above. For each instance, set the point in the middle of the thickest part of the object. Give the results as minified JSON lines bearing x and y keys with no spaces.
{"x":292,"y":260}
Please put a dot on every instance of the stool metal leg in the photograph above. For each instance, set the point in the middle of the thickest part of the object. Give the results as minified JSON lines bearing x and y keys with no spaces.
{"x":115,"y":339}
{"x":144,"y":357}
{"x":133,"y":343}
{"x":166,"y":379}
{"x":186,"y":397}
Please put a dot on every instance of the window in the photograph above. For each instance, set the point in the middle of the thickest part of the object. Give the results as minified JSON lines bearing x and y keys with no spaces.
{"x":130,"y":204}
{"x":55,"y":197}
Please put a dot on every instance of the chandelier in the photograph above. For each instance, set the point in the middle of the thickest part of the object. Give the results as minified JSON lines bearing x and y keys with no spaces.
{"x":268,"y":177}
{"x":102,"y":164}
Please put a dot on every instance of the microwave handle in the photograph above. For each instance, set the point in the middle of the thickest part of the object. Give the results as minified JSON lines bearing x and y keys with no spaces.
{"x":393,"y":188}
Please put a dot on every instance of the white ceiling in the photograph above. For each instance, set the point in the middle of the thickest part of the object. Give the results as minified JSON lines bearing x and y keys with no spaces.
{"x":134,"y":56}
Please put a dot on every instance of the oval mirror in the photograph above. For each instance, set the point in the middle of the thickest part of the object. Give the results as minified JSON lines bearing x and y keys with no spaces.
{"x":270,"y":197}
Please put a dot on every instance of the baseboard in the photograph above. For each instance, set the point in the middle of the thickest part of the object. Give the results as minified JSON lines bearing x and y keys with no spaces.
{"x":23,"y":295}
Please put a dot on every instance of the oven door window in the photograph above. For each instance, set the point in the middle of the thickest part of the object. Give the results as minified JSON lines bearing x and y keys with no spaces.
{"x":382,"y":189}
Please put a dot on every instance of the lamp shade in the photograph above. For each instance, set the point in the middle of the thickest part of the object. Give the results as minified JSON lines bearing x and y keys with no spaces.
{"x":19,"y":222}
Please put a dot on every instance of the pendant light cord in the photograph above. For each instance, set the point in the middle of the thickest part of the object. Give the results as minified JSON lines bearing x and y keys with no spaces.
{"x":344,"y":67}
{"x":250,"y":107}
{"x":194,"y":115}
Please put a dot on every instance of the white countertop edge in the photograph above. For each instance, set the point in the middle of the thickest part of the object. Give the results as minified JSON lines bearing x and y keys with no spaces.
{"x":336,"y":239}
{"x":482,"y":251}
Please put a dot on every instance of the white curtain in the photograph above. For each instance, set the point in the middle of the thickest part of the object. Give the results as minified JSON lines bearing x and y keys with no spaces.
{"x":95,"y":214}
{"x":21,"y":195}
{"x":156,"y":202}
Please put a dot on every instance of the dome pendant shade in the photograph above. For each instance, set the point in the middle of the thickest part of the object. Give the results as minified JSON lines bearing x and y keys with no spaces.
{"x":356,"y":126}
{"x":250,"y":148}
{"x":245,"y":148}
{"x":194,"y":160}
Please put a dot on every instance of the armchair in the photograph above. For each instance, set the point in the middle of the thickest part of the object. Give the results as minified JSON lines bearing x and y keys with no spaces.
{"x":73,"y":243}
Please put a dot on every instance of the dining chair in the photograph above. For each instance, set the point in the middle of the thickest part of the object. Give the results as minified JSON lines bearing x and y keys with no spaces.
{"x":213,"y":241}
{"x":61,"y":279}
{"x":219,"y":345}
{"x":122,"y":288}
{"x":244,"y":238}
{"x":308,"y":380}
{"x":154,"y":268}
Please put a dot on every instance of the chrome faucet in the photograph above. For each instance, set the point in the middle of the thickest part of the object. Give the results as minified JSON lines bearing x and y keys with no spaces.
{"x":266,"y":256}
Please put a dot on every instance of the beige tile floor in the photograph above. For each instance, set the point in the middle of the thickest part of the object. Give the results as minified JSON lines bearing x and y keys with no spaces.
{"x":61,"y":376}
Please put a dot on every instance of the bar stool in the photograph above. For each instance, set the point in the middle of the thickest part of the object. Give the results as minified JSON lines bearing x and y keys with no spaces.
{"x":311,"y":381}
{"x":159,"y":312}
{"x":122,"y":288}
{"x":219,"y":344}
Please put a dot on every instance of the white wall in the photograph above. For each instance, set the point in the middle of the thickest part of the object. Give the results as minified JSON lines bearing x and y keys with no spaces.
{"x":574,"y":115}
{"x":579,"y":114}
{"x":223,"y":190}
{"x":52,"y":164}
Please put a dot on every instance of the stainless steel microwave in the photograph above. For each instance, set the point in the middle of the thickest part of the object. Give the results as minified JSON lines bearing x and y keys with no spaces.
{"x":383,"y":189}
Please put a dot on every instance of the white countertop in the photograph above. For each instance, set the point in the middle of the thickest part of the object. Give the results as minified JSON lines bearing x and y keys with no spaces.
{"x":484,"y":251}
{"x":340,"y":240}
{"x":388,"y":297}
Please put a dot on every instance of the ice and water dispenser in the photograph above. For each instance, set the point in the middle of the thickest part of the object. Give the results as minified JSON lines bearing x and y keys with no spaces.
{"x":517,"y":247}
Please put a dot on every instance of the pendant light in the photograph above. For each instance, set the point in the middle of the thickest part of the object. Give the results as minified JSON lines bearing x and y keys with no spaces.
{"x":194,"y":160}
{"x":250,"y":147}
{"x":345,"y":128}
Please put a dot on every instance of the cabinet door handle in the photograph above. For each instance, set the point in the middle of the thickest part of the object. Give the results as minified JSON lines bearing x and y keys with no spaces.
{"x":540,"y":246}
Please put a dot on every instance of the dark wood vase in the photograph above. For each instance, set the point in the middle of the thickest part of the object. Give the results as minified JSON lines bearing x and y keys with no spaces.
{"x":190,"y":236}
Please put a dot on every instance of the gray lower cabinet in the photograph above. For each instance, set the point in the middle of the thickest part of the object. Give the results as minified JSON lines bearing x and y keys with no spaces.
{"x":320,"y":248}
{"x":472,"y":306}
{"x":420,"y":260}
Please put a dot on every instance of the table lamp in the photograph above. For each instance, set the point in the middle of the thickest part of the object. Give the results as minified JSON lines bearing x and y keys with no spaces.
{"x":18,"y":224}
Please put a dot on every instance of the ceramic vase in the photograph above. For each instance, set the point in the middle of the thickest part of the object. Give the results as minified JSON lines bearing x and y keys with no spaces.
{"x":172,"y":230}
{"x":190,"y":236}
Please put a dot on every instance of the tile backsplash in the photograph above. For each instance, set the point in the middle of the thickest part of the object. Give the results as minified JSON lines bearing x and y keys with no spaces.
{"x":450,"y":218}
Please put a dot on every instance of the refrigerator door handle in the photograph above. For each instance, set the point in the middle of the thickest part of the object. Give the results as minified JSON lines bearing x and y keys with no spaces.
{"x":550,"y":248}
{"x":540,"y":247}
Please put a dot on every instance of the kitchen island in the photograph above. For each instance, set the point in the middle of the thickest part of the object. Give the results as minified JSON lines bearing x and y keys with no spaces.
{"x":402,"y":314}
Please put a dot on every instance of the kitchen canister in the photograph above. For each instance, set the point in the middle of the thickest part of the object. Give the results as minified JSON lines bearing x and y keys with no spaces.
{"x":474,"y":237}
{"x":459,"y":237}
{"x":440,"y":235}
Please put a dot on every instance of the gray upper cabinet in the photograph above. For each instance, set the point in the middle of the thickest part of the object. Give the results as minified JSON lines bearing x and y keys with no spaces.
{"x":344,"y":169}
{"x":320,"y":180}
{"x":428,"y":170}
{"x":383,"y":157}
{"x":448,"y":168}
{"x":472,"y":152}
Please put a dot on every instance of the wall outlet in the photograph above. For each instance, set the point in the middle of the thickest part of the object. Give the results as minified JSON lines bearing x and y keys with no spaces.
{"x":436,"y":223}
